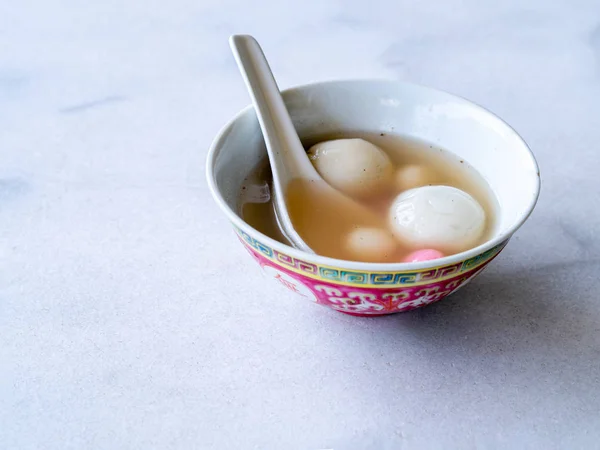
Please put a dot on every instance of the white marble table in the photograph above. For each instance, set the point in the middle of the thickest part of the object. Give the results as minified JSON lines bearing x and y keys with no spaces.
{"x":130,"y":318}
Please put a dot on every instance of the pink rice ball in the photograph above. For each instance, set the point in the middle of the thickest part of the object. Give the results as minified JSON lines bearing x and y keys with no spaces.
{"x":426,"y":254}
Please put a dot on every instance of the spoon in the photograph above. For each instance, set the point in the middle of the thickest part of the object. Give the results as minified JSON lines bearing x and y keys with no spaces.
{"x":286,"y":154}
{"x":290,"y":165}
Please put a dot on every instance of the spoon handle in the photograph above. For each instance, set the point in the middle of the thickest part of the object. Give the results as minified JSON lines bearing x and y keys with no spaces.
{"x":278,"y":129}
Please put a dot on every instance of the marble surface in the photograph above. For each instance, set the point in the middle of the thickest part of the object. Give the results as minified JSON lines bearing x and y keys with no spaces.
{"x":130,"y":318}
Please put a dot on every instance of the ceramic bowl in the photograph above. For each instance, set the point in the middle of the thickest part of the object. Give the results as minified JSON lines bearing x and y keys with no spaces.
{"x":477,"y":136}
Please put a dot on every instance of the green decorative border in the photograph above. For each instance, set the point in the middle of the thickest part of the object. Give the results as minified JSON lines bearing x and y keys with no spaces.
{"x":366,"y":279}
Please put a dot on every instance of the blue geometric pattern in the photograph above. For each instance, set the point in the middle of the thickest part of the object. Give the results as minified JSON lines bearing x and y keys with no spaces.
{"x":368,"y":278}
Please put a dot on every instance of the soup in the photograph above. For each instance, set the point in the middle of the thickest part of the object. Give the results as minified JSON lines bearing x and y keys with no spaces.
{"x":417,"y":169}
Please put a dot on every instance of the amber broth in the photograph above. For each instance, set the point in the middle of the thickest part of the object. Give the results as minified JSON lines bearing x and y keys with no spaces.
{"x":312,"y":217}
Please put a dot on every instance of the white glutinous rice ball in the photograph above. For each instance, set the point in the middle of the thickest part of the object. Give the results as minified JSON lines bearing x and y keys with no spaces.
{"x":353,"y":166}
{"x":412,"y":176}
{"x":440,"y":217}
{"x":370,"y":244}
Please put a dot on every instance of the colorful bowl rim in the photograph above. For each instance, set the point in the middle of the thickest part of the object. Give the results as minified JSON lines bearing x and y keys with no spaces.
{"x":356,"y":265}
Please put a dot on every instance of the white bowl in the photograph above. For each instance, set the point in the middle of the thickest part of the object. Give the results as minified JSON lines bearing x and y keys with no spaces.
{"x":477,"y":136}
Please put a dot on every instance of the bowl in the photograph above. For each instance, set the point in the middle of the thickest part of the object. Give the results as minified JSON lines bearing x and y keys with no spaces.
{"x":477,"y":136}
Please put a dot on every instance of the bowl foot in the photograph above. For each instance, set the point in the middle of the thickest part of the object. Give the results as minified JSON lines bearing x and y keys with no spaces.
{"x":365,"y":315}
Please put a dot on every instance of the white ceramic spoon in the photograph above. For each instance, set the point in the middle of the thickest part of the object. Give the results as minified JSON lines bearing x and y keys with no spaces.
{"x":287,"y":156}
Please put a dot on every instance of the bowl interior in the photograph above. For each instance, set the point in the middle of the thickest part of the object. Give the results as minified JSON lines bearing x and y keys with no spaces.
{"x":480,"y":138}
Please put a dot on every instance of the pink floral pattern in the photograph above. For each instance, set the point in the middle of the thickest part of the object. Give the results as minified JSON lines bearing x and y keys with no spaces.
{"x":367,"y":301}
